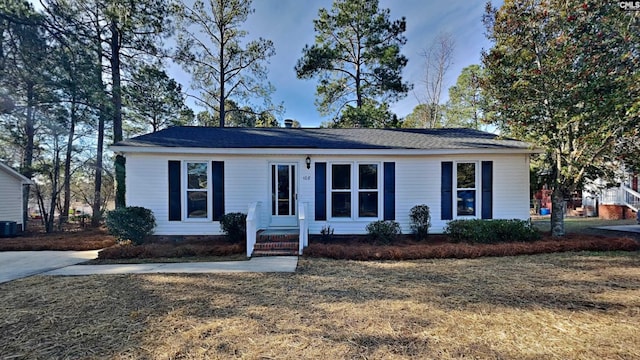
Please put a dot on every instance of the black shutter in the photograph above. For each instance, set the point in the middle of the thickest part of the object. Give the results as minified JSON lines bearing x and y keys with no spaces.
{"x":174,"y":191}
{"x":446,"y":191}
{"x":487,"y":189}
{"x":321,"y":191}
{"x":389,"y":191}
{"x":217,"y":172}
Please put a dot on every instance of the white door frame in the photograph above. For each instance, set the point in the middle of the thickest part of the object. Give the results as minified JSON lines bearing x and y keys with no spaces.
{"x":283,"y":217}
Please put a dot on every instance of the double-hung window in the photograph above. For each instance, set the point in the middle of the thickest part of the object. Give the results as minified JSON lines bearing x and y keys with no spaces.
{"x":368,"y":190}
{"x":341,"y":190}
{"x":197,"y":190}
{"x":466,"y":188}
{"x":355,"y":190}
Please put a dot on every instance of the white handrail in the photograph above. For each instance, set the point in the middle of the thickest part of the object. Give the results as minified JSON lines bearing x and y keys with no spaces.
{"x":253,"y":221}
{"x":303,"y":239}
{"x":610,"y":196}
{"x":630,"y":197}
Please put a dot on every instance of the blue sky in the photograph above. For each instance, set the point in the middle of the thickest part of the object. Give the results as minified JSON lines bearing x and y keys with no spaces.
{"x":289,"y":24}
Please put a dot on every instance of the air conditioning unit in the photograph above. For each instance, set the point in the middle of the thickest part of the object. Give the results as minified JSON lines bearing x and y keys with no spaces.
{"x":8,"y":229}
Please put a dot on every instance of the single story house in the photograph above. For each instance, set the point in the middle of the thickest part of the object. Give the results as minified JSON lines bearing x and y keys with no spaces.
{"x":310,"y":178}
{"x":11,"y":205}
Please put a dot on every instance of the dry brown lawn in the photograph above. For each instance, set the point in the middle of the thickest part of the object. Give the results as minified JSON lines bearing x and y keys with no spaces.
{"x":557,"y":306}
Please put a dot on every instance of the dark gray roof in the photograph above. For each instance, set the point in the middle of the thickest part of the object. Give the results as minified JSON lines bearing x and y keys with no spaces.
{"x":323,"y":138}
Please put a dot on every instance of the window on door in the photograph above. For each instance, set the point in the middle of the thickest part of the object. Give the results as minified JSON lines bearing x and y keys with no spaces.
{"x":283,"y":189}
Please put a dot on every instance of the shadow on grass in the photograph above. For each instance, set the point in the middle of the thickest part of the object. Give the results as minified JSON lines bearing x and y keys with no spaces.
{"x":74,"y":317}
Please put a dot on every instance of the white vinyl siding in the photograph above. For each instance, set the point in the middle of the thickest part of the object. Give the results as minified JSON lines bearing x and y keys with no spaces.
{"x":10,"y":198}
{"x":247,"y":180}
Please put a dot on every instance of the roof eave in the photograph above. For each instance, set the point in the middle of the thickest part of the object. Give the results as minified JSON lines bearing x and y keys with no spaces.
{"x":317,"y":151}
{"x":24,"y":180}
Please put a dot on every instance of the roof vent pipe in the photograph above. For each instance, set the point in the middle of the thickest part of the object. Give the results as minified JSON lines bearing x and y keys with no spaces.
{"x":288,"y":123}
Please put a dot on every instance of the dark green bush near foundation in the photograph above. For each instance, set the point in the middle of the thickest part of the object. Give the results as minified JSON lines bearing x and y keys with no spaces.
{"x":420,"y":221}
{"x":491,"y":231}
{"x":133,"y":223}
{"x":234,"y":225}
{"x":383,"y":232}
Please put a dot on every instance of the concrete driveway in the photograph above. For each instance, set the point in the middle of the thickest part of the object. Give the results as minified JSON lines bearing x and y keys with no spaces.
{"x":626,"y":228}
{"x":19,"y":264}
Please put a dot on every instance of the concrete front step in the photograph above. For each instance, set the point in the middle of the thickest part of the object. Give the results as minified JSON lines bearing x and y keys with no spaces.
{"x":257,"y":253}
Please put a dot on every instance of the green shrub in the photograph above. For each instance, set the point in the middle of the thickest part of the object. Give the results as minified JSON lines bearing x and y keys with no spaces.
{"x":491,"y":231}
{"x":326,"y":233}
{"x":420,"y":221}
{"x":234,"y":225}
{"x":133,"y":223}
{"x":383,"y":232}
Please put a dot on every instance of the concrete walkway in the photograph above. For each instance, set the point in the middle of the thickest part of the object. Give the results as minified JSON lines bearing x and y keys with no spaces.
{"x":257,"y":264}
{"x":626,"y":228}
{"x":20,"y":264}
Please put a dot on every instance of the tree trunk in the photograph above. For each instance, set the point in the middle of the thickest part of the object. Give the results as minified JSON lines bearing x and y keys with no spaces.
{"x":64,"y":216}
{"x":54,"y":189}
{"x":557,"y":199}
{"x":358,"y":88}
{"x":222,"y":78}
{"x":557,"y":213}
{"x":116,"y":99}
{"x":96,"y":207}
{"x":27,"y":161}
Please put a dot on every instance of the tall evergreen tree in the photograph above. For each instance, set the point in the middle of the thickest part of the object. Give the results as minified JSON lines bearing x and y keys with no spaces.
{"x":135,"y":28}
{"x":223,"y":65}
{"x":464,"y":108}
{"x":24,"y":73}
{"x":356,"y":59}
{"x":561,"y":74}
{"x":153,"y":101}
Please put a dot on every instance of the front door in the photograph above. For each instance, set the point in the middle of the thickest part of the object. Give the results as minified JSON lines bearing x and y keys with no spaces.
{"x":283,"y":195}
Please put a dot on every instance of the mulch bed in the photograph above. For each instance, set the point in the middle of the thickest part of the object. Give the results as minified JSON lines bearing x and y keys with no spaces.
{"x":438,"y":247}
{"x":79,"y":240}
{"x":338,"y":247}
{"x":172,"y":250}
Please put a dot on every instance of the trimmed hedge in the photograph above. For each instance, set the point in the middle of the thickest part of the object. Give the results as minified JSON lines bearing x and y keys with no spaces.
{"x":491,"y":231}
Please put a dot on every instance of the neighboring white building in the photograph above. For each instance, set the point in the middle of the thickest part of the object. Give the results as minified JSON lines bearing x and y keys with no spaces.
{"x":343,"y":178}
{"x":11,"y":190}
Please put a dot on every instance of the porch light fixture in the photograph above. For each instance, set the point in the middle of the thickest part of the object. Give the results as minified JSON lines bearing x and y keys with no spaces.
{"x":308,"y":162}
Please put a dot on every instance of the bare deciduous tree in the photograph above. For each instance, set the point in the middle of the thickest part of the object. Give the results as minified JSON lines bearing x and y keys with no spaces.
{"x":437,"y":58}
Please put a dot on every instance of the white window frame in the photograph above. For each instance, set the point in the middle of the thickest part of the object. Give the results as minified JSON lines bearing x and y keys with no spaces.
{"x":476,"y":200}
{"x":186,"y":190}
{"x":354,"y":190}
{"x":377,"y":190}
